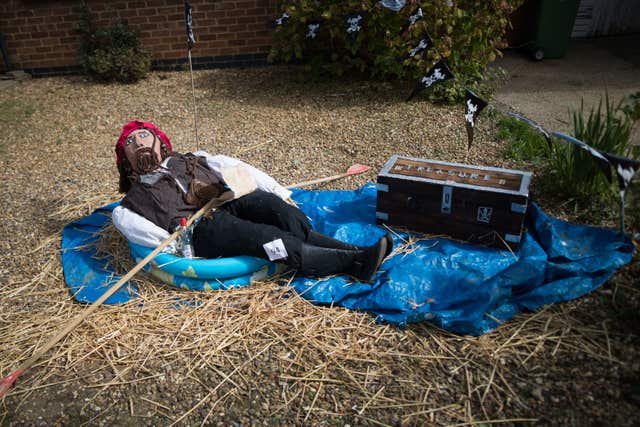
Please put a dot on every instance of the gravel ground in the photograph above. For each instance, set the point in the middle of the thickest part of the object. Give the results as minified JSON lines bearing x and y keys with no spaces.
{"x":278,"y":359}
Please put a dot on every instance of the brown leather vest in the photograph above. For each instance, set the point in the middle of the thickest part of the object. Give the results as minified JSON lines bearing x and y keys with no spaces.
{"x":161,"y":196}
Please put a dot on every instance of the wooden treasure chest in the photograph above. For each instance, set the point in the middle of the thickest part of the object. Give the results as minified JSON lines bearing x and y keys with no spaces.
{"x":478,"y":204}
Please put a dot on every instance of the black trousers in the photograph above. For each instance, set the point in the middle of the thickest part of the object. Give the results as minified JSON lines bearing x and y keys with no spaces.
{"x":244,"y":225}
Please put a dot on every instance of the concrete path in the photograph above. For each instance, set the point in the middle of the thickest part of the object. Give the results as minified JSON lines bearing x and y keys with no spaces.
{"x":545,"y":90}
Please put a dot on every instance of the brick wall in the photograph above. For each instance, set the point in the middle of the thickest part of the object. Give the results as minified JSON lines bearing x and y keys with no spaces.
{"x":40,"y":38}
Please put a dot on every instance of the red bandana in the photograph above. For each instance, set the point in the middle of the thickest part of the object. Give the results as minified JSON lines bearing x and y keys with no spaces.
{"x":135,"y":125}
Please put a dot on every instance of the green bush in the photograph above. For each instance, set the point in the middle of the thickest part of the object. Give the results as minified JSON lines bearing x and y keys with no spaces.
{"x":466,"y":33}
{"x":569,"y":173}
{"x":572,"y":170}
{"x":523,"y":143}
{"x":112,"y":54}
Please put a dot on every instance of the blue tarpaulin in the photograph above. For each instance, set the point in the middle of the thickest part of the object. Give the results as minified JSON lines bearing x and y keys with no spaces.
{"x":460,"y":287}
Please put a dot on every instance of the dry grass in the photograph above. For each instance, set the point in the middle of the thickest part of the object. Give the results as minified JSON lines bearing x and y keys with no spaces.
{"x":261,"y":354}
{"x":294,"y":358}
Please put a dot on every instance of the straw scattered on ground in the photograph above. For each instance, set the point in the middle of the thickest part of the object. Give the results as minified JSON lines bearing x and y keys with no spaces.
{"x":264,"y":355}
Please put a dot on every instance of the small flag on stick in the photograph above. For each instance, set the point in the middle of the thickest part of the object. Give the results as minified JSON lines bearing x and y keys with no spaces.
{"x":188,"y":18}
{"x":189,"y":21}
{"x":438,"y":73}
{"x":474,"y":105}
{"x":625,"y":169}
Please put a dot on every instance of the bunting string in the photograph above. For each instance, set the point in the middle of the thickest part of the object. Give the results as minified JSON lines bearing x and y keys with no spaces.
{"x":440,"y":72}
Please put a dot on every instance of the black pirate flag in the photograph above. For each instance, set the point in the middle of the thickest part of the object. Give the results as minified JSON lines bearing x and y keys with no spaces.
{"x":600,"y":159}
{"x":625,"y":169}
{"x":353,"y":23}
{"x":413,"y":18}
{"x":423,"y":45}
{"x":474,"y":105}
{"x":189,"y":22}
{"x":536,"y":126}
{"x":313,"y":28}
{"x":416,"y":16}
{"x":282,"y":20}
{"x":438,"y":73}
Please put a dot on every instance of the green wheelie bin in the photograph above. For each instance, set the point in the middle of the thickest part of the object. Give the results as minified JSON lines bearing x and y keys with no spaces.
{"x":552,"y":27}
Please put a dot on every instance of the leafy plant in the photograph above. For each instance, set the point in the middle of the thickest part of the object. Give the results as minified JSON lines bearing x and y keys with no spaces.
{"x":522,"y":142}
{"x":112,"y":54}
{"x":467,"y":33}
{"x":572,"y":170}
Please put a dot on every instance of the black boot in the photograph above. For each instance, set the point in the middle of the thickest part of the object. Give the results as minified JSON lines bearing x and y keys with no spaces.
{"x":361,"y":264}
{"x":389,"y":239}
{"x":324,"y":241}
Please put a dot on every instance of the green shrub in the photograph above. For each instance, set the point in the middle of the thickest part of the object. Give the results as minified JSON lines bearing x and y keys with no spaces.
{"x":522,"y":142}
{"x":112,"y":54}
{"x":466,"y":33}
{"x":572,"y":171}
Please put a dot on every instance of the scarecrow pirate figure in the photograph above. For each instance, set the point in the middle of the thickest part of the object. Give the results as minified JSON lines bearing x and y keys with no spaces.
{"x":252,"y":215}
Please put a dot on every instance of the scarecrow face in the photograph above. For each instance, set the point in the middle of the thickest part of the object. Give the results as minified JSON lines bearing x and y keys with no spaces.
{"x":142,"y":150}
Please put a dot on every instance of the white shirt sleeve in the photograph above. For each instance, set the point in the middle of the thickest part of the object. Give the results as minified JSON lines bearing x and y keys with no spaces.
{"x":263,"y":181}
{"x":140,"y":230}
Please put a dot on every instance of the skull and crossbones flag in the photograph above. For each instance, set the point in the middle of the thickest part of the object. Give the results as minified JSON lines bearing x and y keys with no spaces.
{"x":536,"y":126}
{"x":188,"y":18}
{"x":601,"y":160}
{"x":625,"y":169}
{"x":416,"y":16}
{"x":353,"y":23}
{"x":423,"y":45}
{"x":474,"y":105}
{"x":282,"y":20}
{"x":313,"y":28}
{"x":413,"y":18}
{"x":440,"y":72}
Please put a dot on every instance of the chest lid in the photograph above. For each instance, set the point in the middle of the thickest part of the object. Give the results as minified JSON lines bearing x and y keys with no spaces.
{"x":484,"y":178}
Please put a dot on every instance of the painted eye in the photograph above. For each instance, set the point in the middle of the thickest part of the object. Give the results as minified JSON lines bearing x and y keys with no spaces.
{"x":143,"y":134}
{"x":129,"y":139}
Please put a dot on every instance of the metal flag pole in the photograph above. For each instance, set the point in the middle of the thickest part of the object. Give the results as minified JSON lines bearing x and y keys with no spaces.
{"x":190,"y":42}
{"x":622,"y":194}
{"x":195,"y":110}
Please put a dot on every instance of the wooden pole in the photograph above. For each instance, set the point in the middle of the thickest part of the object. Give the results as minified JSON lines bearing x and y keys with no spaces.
{"x":7,"y":382}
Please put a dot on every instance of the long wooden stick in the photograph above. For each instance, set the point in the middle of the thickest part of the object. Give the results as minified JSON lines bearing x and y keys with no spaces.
{"x":353,"y":170}
{"x":7,"y":382}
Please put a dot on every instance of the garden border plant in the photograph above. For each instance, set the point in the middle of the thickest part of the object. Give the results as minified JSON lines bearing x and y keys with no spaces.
{"x":568,"y":171}
{"x":112,"y":54}
{"x":467,"y":34}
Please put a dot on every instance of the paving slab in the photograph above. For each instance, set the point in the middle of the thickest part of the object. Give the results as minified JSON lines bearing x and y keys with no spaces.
{"x":545,"y":90}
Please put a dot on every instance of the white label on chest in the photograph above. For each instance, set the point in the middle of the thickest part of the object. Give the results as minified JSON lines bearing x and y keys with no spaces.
{"x":275,"y":250}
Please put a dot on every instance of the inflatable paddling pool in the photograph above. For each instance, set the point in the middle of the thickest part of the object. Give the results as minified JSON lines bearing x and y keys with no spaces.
{"x":459,"y":287}
{"x":200,"y":274}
